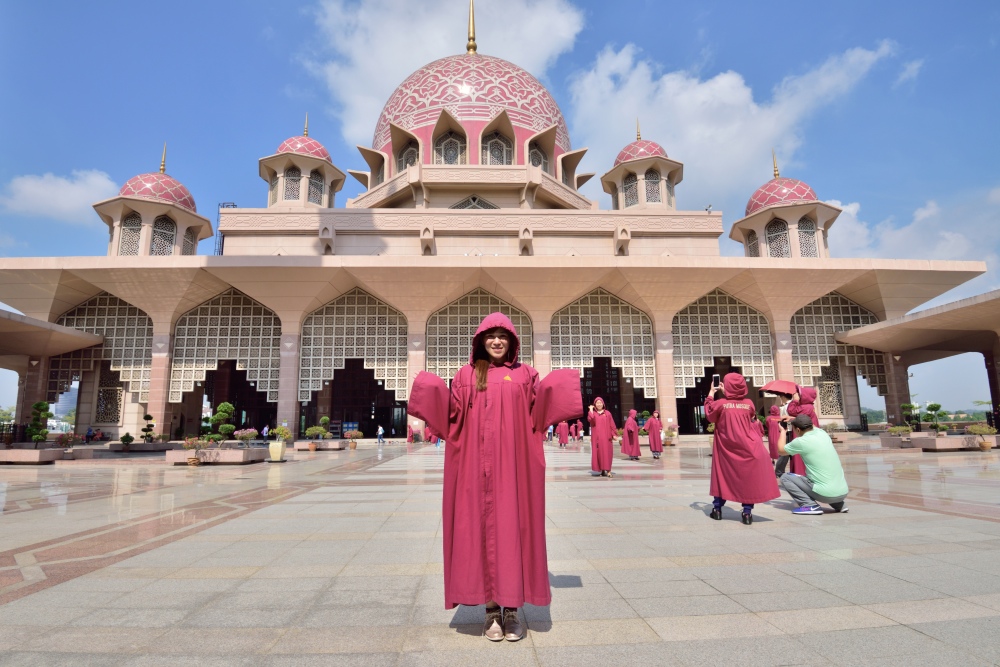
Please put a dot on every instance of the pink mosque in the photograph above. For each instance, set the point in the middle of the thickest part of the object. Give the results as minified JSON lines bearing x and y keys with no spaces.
{"x":472,"y":204}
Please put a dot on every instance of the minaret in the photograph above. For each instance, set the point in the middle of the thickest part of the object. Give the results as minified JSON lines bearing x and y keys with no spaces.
{"x":774,"y":159}
{"x":471,"y":46}
{"x":163,"y":160}
{"x":305,"y":131}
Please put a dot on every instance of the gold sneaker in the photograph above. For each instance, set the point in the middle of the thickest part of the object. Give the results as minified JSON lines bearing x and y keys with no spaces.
{"x":513,"y":630}
{"x":493,"y":627}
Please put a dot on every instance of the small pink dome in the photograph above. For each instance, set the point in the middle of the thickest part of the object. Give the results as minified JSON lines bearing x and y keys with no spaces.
{"x":640,"y":149}
{"x":780,"y":191}
{"x":304,"y":146}
{"x":159,"y":187}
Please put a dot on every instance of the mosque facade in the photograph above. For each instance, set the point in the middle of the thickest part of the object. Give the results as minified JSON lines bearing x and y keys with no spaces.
{"x":471,"y":204}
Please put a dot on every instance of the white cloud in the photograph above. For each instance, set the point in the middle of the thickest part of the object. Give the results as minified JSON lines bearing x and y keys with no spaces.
{"x":67,"y":199}
{"x":715,"y":126}
{"x":375,"y":44}
{"x":994,"y":196}
{"x":910,"y":72}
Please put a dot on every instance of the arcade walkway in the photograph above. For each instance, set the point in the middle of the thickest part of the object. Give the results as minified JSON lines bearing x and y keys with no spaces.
{"x":135,"y":563}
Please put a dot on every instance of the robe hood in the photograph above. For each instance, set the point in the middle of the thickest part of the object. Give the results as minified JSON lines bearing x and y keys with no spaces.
{"x":807,"y":394}
{"x":735,"y":386}
{"x":490,"y":322}
{"x":598,"y":398}
{"x":775,"y":411}
{"x":632,"y":414}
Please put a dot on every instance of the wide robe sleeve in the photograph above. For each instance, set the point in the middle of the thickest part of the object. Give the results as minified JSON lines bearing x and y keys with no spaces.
{"x":713,"y":408}
{"x":557,"y":398}
{"x":430,"y":400}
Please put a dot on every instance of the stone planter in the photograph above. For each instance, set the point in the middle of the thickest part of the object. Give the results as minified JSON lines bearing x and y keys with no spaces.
{"x":193,"y":460}
{"x":277,"y":450}
{"x":889,"y":441}
{"x":353,"y":444}
{"x":986,"y":442}
{"x":313,"y":445}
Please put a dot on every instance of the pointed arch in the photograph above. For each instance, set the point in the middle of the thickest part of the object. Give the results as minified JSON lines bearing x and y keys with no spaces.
{"x":229,"y":326}
{"x":355,"y":325}
{"x":652,"y":180}
{"x":451,"y":329}
{"x":778,"y":244}
{"x":131,"y":230}
{"x":600,"y":324}
{"x":719,"y":325}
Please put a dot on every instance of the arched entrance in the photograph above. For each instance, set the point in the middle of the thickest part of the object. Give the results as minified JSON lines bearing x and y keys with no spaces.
{"x":353,"y":366}
{"x":717,"y":334}
{"x":610,"y":342}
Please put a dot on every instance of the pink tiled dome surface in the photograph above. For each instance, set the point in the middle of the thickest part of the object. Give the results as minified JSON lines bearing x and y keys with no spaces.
{"x":471,"y":86}
{"x":779,"y":191}
{"x":640,"y":149}
{"x":304,"y":146}
{"x":159,"y":187}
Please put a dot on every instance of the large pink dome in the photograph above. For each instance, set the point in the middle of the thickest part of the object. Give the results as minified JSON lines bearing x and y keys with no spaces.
{"x":304,"y":145}
{"x":780,"y":191}
{"x":640,"y":149}
{"x":159,"y":187}
{"x":471,"y":87}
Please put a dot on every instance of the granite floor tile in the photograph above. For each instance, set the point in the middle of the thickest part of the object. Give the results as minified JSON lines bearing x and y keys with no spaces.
{"x":686,"y":628}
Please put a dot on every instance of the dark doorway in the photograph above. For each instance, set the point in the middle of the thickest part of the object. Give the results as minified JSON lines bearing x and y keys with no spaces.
{"x":691,"y":408}
{"x":604,"y":380}
{"x":229,"y":384}
{"x":354,"y":396}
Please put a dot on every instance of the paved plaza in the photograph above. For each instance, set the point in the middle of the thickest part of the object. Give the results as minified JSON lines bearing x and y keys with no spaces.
{"x":334,"y":558}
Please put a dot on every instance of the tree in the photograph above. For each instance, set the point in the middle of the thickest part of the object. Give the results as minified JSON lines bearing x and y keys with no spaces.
{"x":70,"y":417}
{"x":38,"y":430}
{"x":7,"y":414}
{"x":223,"y":415}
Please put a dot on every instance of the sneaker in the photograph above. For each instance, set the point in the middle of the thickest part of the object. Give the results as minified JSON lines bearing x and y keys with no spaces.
{"x":747,"y":518}
{"x":840,"y":508}
{"x":493,"y":627}
{"x":808,"y":509}
{"x":716,"y":514}
{"x":512,"y":625}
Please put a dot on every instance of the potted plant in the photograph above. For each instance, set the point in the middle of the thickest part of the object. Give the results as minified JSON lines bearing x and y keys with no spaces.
{"x":278,"y":445}
{"x":147,"y":430}
{"x":668,"y":437}
{"x":324,"y":421}
{"x":194,"y":444}
{"x":352,"y":438}
{"x":245,"y":435}
{"x":223,"y":415}
{"x":894,"y":435}
{"x":987,"y":435}
{"x":37,"y":430}
{"x":126,"y":440}
{"x":67,"y":439}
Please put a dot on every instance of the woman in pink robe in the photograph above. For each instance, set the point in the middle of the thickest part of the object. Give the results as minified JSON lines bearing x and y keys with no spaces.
{"x":572,"y":431}
{"x":493,"y":512}
{"x":630,"y":437}
{"x":602,"y":436}
{"x":741,"y":469}
{"x":774,"y":429}
{"x":654,"y":426}
{"x":802,"y":403}
{"x":563,"y":432}
{"x":409,"y":433}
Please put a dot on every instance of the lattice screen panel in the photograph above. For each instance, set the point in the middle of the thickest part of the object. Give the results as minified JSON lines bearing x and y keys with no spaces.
{"x":652,"y":179}
{"x":354,"y":326}
{"x":831,"y":396}
{"x":813,"y":343}
{"x":230,"y":326}
{"x":718,"y":325}
{"x":450,"y":331}
{"x":777,"y":239}
{"x":602,"y":325}
{"x":128,"y":346}
{"x":807,"y":238}
{"x":109,"y":396}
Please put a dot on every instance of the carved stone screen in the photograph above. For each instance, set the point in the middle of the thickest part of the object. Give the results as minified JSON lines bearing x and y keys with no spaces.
{"x":230,"y":326}
{"x":776,"y":232}
{"x":475,"y":201}
{"x":128,"y":242}
{"x":190,"y":246}
{"x":630,"y":187}
{"x":602,"y":325}
{"x":164,"y":236}
{"x":316,"y":187}
{"x":807,"y":238}
{"x":652,"y":179}
{"x":753,"y":245}
{"x":449,"y":148}
{"x":718,"y":325}
{"x":127,"y":346}
{"x":497,"y":150}
{"x":356,"y":325}
{"x":814,"y":346}
{"x":537,"y":157}
{"x":450,"y":331}
{"x":831,"y":397}
{"x":109,"y":396}
{"x":293,"y":182}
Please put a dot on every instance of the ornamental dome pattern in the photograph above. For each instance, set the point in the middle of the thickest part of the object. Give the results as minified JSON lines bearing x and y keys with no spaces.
{"x":638,"y":150}
{"x":780,"y":191}
{"x":159,"y":187}
{"x":304,"y":145}
{"x":474,"y":87}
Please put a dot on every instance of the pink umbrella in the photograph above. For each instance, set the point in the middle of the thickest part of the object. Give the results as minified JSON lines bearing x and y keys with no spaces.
{"x":780,"y":387}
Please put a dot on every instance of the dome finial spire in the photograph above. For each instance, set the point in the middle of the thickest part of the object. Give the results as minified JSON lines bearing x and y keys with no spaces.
{"x":305,"y":132}
{"x":163,"y":160}
{"x":471,"y":46}
{"x":638,"y":130}
{"x":774,"y":159}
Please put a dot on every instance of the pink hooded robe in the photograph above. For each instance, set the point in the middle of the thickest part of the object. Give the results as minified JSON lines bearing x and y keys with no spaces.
{"x":654,"y":426}
{"x":602,"y":430}
{"x":572,"y":431}
{"x":409,"y":433}
{"x":804,"y":406}
{"x":774,"y":429}
{"x":562,"y":429}
{"x":741,"y":470}
{"x":630,"y":436}
{"x":493,"y":510}
{"x":579,"y":430}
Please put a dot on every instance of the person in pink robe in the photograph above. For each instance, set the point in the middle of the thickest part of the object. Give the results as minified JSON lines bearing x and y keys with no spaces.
{"x":630,"y":437}
{"x":563,"y":432}
{"x":654,"y":426}
{"x":494,"y":417}
{"x":774,"y":429}
{"x":741,"y":469}
{"x":579,"y":431}
{"x":802,"y":403}
{"x":572,"y":431}
{"x":602,"y":437}
{"x":409,"y":433}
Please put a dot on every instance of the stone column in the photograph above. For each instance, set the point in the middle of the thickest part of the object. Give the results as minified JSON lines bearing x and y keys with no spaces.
{"x":898,"y":375}
{"x":849,"y":393}
{"x":145,"y":236}
{"x":992,"y":361}
{"x":416,"y":361}
{"x":666,"y":396}
{"x":288,"y":382}
{"x":35,"y":388}
{"x":158,"y":404}
{"x":781,"y":347}
{"x":541,"y":337}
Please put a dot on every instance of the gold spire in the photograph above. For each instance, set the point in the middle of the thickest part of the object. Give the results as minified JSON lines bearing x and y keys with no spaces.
{"x":471,"y":46}
{"x":305,"y":132}
{"x":774,"y":159}
{"x":163,"y":160}
{"x":638,"y":130}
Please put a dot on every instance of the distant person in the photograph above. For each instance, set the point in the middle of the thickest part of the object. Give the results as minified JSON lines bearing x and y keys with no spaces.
{"x":579,"y":430}
{"x":264,"y":431}
{"x":824,"y":481}
{"x":654,"y":427}
{"x":99,"y":435}
{"x":802,"y":403}
{"x":602,"y":437}
{"x":89,"y":436}
{"x":548,"y":437}
{"x":380,"y":434}
{"x":630,"y":437}
{"x":409,"y":432}
{"x":741,"y":469}
{"x":562,"y":431}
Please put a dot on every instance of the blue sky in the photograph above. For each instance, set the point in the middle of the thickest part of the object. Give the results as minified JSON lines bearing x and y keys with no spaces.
{"x":885,"y":108}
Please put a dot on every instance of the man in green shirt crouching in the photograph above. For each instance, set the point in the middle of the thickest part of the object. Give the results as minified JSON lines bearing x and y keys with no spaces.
{"x":824,"y":479}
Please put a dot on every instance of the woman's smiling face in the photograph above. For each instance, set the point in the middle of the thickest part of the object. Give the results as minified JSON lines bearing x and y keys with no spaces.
{"x":497,"y":342}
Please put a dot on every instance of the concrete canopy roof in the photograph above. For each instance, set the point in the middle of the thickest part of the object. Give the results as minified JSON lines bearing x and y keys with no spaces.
{"x":20,"y":335}
{"x":967,"y":325}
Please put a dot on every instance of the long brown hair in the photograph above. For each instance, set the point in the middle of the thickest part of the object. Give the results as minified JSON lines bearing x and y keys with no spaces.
{"x":482,"y":372}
